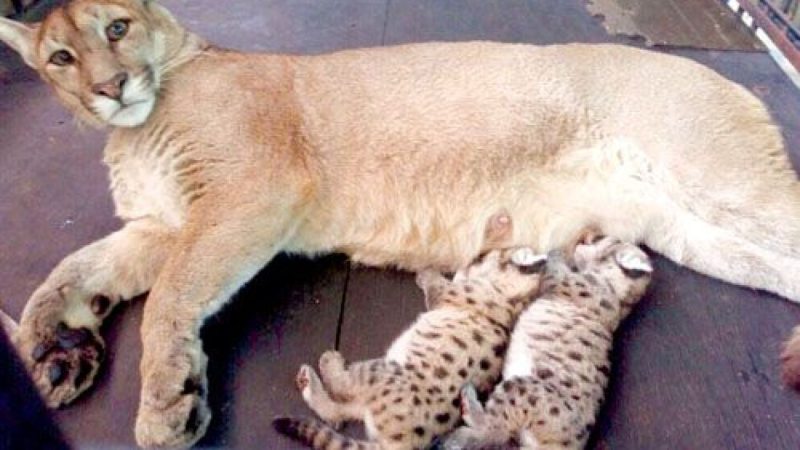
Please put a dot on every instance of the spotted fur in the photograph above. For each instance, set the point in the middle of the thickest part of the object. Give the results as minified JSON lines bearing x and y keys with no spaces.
{"x":412,"y":394}
{"x":557,"y":367}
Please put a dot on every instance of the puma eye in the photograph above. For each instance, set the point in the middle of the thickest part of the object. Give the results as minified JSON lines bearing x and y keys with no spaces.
{"x":62,"y":58}
{"x":117,"y":30}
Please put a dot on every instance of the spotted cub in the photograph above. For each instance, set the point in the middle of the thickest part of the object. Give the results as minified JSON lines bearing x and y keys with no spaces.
{"x":557,"y":366}
{"x":412,"y":394}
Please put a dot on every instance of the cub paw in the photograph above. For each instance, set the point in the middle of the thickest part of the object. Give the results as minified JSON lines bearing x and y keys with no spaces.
{"x":303,"y":378}
{"x":62,"y":361}
{"x":331,"y":362}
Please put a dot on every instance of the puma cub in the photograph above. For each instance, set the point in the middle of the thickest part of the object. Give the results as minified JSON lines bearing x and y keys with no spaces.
{"x":411,"y":396}
{"x":557,"y":366}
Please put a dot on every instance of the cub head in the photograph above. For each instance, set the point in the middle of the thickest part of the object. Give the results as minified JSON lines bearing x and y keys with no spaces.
{"x":610,"y":267}
{"x":511,"y":273}
{"x":105,"y":59}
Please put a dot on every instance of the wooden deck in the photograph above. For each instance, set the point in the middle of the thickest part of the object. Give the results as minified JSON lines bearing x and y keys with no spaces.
{"x":696,"y":364}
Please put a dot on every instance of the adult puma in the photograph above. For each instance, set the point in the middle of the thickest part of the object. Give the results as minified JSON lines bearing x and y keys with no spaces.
{"x":395,"y":156}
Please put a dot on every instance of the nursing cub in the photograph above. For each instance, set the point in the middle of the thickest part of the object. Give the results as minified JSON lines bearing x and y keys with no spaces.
{"x":557,"y":366}
{"x":411,"y":395}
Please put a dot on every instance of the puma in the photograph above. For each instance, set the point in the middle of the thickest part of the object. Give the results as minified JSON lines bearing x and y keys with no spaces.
{"x":395,"y":156}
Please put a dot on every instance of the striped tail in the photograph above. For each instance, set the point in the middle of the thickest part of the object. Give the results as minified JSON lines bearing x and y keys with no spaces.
{"x":319,"y":436}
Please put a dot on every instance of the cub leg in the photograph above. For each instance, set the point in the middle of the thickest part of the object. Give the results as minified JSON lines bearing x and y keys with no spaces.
{"x":477,"y":430}
{"x":345,"y":382}
{"x":215,"y":254}
{"x":58,"y":335}
{"x":317,"y":398}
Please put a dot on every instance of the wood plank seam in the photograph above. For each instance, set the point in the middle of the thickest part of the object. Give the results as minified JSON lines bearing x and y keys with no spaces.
{"x":385,"y":23}
{"x":342,"y":305}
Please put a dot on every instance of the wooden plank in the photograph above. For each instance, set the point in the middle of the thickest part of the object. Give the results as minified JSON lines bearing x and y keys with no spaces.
{"x":541,"y":22}
{"x":696,"y":366}
{"x":304,"y":26}
{"x":706,"y":24}
{"x":55,"y":189}
{"x":379,"y":305}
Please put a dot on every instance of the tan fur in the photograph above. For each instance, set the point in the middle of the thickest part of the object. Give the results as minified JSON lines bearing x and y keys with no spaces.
{"x":395,"y":156}
{"x":411,"y":395}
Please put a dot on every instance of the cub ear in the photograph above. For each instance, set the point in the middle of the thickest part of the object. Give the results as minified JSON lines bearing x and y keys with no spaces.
{"x":21,"y":37}
{"x":527,"y":260}
{"x":634,"y":262}
{"x":432,"y":283}
{"x":471,"y":409}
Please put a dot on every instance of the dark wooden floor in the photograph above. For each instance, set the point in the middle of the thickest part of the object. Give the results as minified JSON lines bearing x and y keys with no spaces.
{"x":679,"y":23}
{"x":696,"y":364}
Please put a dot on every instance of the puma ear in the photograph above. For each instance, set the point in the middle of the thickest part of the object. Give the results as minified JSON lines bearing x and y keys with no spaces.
{"x":634,"y":262}
{"x":21,"y":37}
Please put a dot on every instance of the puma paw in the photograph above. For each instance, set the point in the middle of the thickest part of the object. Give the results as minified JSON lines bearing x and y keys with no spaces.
{"x":172,"y":418}
{"x":62,"y":360}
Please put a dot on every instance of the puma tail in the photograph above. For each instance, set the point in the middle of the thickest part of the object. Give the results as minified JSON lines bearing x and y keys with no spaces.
{"x":318,"y":435}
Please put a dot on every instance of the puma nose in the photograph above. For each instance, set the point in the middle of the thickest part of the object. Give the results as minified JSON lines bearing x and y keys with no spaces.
{"x":111,"y":88}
